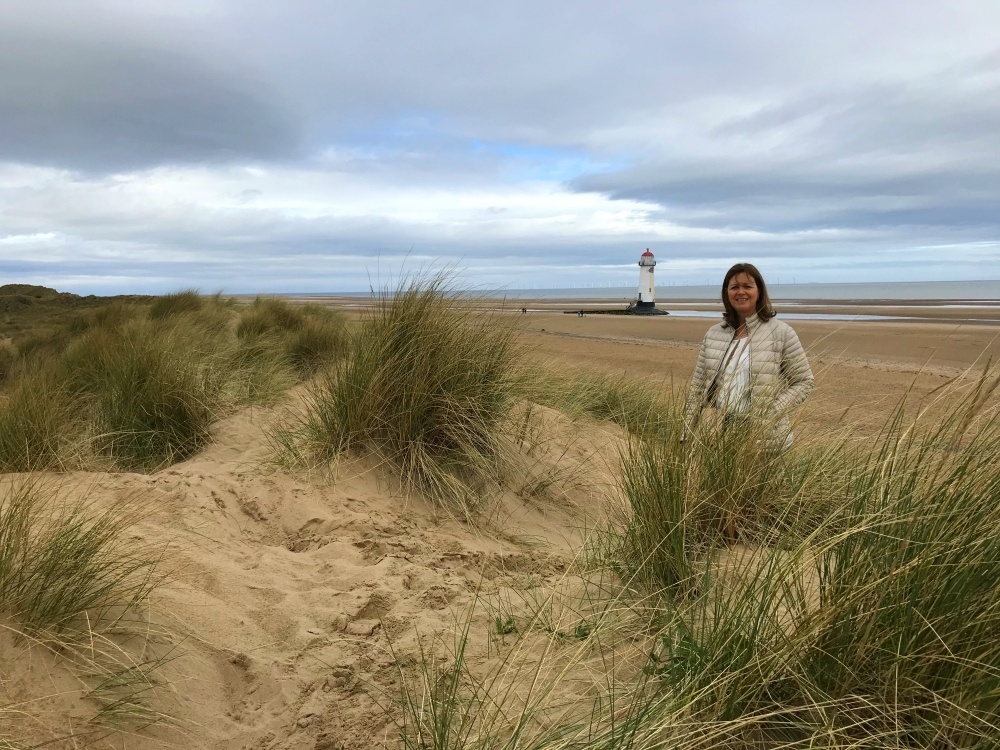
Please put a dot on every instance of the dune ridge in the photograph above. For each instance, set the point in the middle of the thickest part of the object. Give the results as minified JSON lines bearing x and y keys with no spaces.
{"x":300,"y":601}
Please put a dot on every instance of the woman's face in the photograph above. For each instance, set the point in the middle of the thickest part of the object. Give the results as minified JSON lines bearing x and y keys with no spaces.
{"x":743,"y":294}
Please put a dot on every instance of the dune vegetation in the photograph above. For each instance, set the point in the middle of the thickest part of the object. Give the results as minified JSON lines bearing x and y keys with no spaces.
{"x":428,"y":386}
{"x":131,"y":384}
{"x":842,"y":594}
{"x":836,"y":596}
{"x":73,"y":584}
{"x":137,"y":386}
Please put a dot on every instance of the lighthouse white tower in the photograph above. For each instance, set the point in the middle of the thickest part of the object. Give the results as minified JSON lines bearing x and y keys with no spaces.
{"x":646,"y":302}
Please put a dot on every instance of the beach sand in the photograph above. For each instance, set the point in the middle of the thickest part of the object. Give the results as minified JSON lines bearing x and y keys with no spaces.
{"x":295,"y":598}
{"x":862,"y":368}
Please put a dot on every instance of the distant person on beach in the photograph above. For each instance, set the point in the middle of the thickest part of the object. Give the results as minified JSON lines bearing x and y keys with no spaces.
{"x":750,"y":365}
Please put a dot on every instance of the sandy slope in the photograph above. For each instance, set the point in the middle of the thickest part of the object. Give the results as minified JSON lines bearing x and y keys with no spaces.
{"x":286,"y":589}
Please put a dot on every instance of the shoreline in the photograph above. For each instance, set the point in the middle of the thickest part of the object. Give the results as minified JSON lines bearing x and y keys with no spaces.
{"x":863,"y":368}
{"x":950,"y":311}
{"x":905,"y":336}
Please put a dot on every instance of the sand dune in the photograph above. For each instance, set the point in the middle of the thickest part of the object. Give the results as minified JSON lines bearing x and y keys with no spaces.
{"x":285,"y":590}
{"x":292,"y":598}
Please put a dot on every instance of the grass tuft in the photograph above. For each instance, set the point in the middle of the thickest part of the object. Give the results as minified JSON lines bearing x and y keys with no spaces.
{"x":835,"y":595}
{"x":66,"y":566}
{"x":186,"y":301}
{"x":71,"y":580}
{"x":307,"y":337}
{"x":269,"y":315}
{"x":35,"y":415}
{"x":8,"y":360}
{"x":153,"y":399}
{"x":633,"y":404}
{"x":116,"y":388}
{"x":427,"y":385}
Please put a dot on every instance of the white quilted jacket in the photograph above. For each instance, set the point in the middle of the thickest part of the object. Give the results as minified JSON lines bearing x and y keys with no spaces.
{"x":780,"y":377}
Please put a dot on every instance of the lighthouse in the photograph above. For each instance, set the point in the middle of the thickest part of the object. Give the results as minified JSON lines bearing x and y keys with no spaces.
{"x":646,"y":303}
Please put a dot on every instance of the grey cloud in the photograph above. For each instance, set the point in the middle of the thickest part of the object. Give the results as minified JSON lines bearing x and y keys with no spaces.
{"x":104,"y":104}
{"x":552,"y":73}
{"x":519,"y":71}
{"x":885,"y":157}
{"x":861,"y":126}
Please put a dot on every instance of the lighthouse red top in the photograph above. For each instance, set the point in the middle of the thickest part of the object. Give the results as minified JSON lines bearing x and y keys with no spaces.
{"x":647,"y":253}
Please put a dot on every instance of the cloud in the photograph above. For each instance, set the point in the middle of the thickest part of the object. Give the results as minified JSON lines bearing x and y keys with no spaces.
{"x":905,"y":157}
{"x":300,"y":144}
{"x":110,"y":105}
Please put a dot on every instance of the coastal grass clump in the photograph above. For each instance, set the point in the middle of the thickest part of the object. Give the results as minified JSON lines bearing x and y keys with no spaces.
{"x":176,"y":303}
{"x":427,"y":386}
{"x":136,"y":387}
{"x":28,"y":311}
{"x":858,"y":606}
{"x":909,"y":604}
{"x":8,"y":359}
{"x":256,"y":373}
{"x":874,"y":628}
{"x":64,"y":565}
{"x":36,"y":423}
{"x":320,"y":340}
{"x":109,"y":317}
{"x":36,"y":346}
{"x":269,"y":315}
{"x":306,"y":337}
{"x":635,"y":405}
{"x":152,"y":395}
{"x":689,"y":489}
{"x":73,"y":583}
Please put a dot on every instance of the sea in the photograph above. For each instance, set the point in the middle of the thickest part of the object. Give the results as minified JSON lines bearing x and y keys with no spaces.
{"x":915,"y":296}
{"x":909,"y":294}
{"x":986,"y":291}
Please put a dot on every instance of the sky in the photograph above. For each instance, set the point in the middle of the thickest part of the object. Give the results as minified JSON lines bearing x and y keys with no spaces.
{"x":317,"y":146}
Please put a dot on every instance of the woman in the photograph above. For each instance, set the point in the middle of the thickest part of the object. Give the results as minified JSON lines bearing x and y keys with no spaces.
{"x":750,"y":365}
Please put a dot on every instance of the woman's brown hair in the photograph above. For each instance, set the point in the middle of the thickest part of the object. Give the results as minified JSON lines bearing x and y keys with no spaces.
{"x":764,"y":309}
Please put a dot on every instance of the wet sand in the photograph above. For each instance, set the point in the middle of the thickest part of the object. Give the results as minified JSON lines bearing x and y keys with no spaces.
{"x":863,"y":367}
{"x":986,"y":312}
{"x":942,"y":336}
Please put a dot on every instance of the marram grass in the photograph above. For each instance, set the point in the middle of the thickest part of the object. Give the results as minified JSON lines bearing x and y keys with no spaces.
{"x":856,"y":606}
{"x":306,"y":337}
{"x":66,"y":565}
{"x":427,"y":386}
{"x":36,"y":422}
{"x":151,"y":394}
{"x":136,"y":388}
{"x":632,"y":403}
{"x":73,"y":582}
{"x":176,"y":303}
